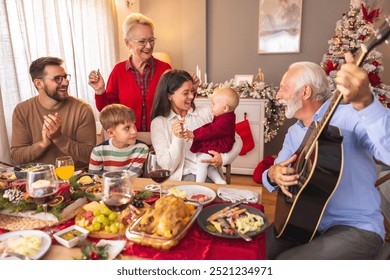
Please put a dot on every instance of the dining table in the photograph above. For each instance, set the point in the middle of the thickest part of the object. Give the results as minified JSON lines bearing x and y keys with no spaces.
{"x":196,"y":237}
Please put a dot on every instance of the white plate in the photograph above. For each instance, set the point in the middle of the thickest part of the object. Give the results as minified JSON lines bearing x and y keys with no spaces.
{"x":46,"y":240}
{"x":191,"y":190}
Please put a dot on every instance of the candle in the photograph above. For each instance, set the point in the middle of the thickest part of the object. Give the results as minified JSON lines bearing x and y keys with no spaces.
{"x":205,"y":77}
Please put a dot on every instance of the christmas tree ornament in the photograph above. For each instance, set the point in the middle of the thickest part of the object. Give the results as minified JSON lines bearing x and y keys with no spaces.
{"x":355,"y":26}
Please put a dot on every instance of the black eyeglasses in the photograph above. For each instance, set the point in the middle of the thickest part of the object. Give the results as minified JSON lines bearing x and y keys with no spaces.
{"x":143,"y":42}
{"x":59,"y":79}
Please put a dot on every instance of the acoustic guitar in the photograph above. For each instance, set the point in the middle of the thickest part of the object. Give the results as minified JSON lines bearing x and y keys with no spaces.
{"x":319,"y":165}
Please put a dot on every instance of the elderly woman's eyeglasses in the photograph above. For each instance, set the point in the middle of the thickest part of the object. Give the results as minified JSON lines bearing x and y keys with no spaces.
{"x":59,"y":79}
{"x":144,"y":42}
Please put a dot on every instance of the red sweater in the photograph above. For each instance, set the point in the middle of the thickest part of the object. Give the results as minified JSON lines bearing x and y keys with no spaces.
{"x":217,"y":135}
{"x":122,"y":88}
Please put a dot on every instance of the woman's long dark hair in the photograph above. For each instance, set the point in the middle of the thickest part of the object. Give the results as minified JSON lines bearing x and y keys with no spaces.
{"x":169,"y":82}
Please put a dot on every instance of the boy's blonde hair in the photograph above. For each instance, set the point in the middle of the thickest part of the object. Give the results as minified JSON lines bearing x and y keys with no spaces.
{"x":115,"y":114}
{"x":230,"y":96}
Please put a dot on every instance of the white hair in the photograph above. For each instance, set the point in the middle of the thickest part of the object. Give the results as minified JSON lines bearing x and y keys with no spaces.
{"x":313,"y":75}
{"x":133,"y":19}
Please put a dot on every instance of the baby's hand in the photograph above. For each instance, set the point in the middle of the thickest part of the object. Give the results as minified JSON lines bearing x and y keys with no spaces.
{"x":188,"y":135}
{"x":183,"y":122}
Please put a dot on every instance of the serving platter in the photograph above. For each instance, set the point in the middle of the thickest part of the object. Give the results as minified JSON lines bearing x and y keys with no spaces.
{"x":136,"y":235}
{"x":193,"y":190}
{"x":46,"y":241}
{"x":208,"y":227}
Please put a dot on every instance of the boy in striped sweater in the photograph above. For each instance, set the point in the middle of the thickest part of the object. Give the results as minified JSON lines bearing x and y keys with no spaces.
{"x":122,"y":151}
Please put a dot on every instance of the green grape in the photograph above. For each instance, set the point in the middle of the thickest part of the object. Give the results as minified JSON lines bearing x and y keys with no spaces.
{"x":114,"y":228}
{"x":121,"y":226}
{"x":95,"y":220}
{"x":105,"y":222}
{"x":97,"y":213}
{"x":112,"y":216}
{"x":101,"y":218}
{"x":105,"y":211}
{"x":96,"y":226}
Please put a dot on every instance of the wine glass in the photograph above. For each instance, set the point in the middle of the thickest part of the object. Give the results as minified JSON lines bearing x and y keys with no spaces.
{"x":64,"y":167}
{"x":117,"y":193}
{"x":155,"y":171}
{"x":42,"y":185}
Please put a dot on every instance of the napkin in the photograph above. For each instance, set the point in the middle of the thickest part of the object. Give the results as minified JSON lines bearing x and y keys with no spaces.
{"x":114,"y":247}
{"x":234,"y":195}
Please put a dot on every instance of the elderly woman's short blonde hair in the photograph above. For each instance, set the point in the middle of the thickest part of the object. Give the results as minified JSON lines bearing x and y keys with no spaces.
{"x":131,"y":20}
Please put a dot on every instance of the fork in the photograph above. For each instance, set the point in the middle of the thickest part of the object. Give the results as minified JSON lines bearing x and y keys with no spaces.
{"x":224,"y":223}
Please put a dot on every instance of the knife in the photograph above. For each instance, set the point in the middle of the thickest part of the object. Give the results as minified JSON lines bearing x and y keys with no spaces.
{"x":227,"y":208}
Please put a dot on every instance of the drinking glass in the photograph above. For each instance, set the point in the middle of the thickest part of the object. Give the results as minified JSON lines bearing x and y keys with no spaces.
{"x":117,"y":193}
{"x":42,"y":185}
{"x":156,"y":172}
{"x":64,"y":167}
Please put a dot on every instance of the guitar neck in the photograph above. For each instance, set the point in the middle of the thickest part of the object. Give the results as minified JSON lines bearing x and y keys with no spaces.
{"x":380,"y":35}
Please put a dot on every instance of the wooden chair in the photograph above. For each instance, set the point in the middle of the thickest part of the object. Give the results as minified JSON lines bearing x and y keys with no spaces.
{"x":383,"y":185}
{"x":228,"y":173}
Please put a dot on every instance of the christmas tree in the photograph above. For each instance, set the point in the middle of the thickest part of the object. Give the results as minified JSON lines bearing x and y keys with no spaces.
{"x":351,"y":31}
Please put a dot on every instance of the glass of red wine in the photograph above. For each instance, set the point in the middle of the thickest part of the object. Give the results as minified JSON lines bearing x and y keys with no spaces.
{"x":117,"y":193}
{"x":155,"y":171}
{"x":42,"y":185}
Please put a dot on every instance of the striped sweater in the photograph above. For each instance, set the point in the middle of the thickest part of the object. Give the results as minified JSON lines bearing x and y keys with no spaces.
{"x":106,"y":157}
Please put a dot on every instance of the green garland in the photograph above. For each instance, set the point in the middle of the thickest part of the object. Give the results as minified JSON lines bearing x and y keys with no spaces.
{"x":274,"y":112}
{"x":28,"y":205}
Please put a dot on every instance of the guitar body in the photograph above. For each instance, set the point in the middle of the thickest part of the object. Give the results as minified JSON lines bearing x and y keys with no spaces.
{"x":320,"y":169}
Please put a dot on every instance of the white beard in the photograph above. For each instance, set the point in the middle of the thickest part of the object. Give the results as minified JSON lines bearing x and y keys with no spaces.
{"x":291,"y":107}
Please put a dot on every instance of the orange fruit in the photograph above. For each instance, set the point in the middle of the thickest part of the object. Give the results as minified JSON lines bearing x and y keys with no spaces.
{"x":57,"y":200}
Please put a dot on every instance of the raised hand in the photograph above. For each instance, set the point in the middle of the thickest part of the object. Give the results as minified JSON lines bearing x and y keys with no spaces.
{"x":196,"y":80}
{"x":178,"y":128}
{"x":52,"y":125}
{"x":96,"y":81}
{"x":352,"y":82}
{"x":45,"y":138}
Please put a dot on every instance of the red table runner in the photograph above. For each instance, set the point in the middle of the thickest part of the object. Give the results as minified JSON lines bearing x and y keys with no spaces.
{"x":200,"y":245}
{"x":196,"y":245}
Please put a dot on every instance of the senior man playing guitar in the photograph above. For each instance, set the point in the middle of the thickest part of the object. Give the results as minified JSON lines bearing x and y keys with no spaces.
{"x":327,"y":205}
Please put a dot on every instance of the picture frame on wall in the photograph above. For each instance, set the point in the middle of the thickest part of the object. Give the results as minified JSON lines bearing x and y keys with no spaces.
{"x":239,"y":79}
{"x":279,"y":26}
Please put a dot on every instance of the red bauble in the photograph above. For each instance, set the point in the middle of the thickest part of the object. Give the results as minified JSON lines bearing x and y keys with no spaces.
{"x":381,"y":98}
{"x":374,"y":79}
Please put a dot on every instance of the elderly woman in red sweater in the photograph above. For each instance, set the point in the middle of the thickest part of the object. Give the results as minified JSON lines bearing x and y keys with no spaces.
{"x":133,"y":82}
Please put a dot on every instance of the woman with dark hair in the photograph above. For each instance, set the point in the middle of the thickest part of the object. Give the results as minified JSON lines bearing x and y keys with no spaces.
{"x":173,"y":112}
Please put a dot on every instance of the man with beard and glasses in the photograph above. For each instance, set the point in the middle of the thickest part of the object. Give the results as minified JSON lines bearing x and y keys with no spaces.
{"x":351,"y":225}
{"x":53,"y":123}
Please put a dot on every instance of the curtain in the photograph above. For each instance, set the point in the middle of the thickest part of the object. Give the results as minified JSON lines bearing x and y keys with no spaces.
{"x":83,"y":33}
